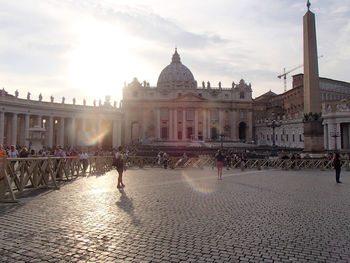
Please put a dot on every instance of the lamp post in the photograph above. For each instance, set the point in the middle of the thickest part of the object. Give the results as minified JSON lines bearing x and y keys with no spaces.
{"x":222,"y":135}
{"x":335,"y":135}
{"x":274,"y":124}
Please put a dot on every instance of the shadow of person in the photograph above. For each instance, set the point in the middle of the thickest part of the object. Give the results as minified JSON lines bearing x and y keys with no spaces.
{"x":126,"y":204}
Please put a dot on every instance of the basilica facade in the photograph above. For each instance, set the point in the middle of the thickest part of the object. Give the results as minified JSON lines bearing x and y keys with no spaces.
{"x":178,"y":110}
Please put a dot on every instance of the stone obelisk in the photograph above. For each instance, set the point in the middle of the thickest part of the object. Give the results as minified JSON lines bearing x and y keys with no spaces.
{"x":313,"y":131}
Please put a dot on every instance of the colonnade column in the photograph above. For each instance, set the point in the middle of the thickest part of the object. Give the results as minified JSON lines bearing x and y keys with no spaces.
{"x":209,"y":124}
{"x":99,"y":131}
{"x":115,"y":134}
{"x":158,"y":124}
{"x":2,"y":127}
{"x":72,"y":133}
{"x":83,"y":137}
{"x":204,"y":132}
{"x":196,"y":124}
{"x":171,"y":132}
{"x":26,"y":130}
{"x":175,"y":125}
{"x":50,"y":132}
{"x":183,"y":124}
{"x":144,"y":121}
{"x":14,"y":129}
{"x":61,"y":140}
{"x":119,"y":134}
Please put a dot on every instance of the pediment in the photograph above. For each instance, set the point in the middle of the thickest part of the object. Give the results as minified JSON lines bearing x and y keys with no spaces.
{"x":189,"y":97}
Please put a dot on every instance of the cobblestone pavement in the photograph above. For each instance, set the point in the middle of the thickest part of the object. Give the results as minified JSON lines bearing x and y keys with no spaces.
{"x":183,"y":216}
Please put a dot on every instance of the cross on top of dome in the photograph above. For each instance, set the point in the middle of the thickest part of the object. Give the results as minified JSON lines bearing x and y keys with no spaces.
{"x":176,"y":57}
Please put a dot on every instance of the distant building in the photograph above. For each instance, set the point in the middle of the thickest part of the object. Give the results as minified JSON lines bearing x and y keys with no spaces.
{"x":287,"y":109}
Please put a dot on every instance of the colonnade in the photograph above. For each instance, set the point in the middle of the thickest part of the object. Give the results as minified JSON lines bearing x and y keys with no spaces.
{"x":68,"y":131}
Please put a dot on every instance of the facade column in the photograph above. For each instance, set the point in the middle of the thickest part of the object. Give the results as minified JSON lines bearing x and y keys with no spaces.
{"x":175,"y":125}
{"x":14,"y":129}
{"x":250,"y":125}
{"x":325,"y":136}
{"x":158,"y":124}
{"x":196,"y":124}
{"x":61,"y":140}
{"x":26,"y":130}
{"x":39,"y":121}
{"x":204,"y":126}
{"x":171,"y":132}
{"x":2,"y":127}
{"x":339,"y":137}
{"x":234,"y":124}
{"x":115,"y":134}
{"x":50,"y":132}
{"x":183,"y":124}
{"x":209,"y":124}
{"x":220,"y":122}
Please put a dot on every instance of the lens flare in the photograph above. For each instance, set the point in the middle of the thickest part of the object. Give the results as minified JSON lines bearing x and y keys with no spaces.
{"x":91,"y":138}
{"x":199,"y":183}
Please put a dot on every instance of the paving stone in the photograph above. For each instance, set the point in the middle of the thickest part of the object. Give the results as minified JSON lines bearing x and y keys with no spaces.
{"x":183,"y":216}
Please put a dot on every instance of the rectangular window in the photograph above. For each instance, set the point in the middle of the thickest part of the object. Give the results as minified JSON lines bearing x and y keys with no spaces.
{"x":241,"y":95}
{"x":293,"y":138}
{"x":242,"y":114}
{"x":300,"y":138}
{"x":164,"y":114}
{"x":287,"y":137}
{"x":268,"y":137}
{"x":213,"y":115}
{"x":189,"y":115}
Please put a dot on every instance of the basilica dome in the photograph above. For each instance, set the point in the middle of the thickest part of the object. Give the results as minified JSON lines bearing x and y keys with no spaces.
{"x":176,"y":75}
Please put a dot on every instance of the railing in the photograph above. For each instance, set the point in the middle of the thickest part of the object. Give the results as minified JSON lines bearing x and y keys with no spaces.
{"x":17,"y":174}
{"x":200,"y":162}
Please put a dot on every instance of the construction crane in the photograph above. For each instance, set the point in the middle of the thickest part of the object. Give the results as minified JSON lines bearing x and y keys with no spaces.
{"x":285,"y":73}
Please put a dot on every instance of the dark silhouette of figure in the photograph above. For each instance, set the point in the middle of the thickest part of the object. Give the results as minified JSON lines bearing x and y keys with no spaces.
{"x":337,"y":166}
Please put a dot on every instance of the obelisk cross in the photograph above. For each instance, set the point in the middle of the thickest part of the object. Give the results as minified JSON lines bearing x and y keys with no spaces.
{"x":308,"y":5}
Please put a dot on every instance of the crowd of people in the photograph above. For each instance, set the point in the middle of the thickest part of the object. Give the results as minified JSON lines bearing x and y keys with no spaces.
{"x":226,"y":159}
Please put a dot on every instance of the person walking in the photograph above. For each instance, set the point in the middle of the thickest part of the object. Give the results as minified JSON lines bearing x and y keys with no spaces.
{"x":220,"y":158}
{"x":119,"y":163}
{"x":337,"y":162}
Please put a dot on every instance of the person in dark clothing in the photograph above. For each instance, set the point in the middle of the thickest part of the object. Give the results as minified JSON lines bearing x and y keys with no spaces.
{"x":337,"y":166}
{"x":220,"y":158}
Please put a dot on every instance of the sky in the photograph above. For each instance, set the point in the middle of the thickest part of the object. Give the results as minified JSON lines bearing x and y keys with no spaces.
{"x":89,"y":48}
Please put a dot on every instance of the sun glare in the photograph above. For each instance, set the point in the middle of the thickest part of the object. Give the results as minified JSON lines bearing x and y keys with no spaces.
{"x":101,"y":60}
